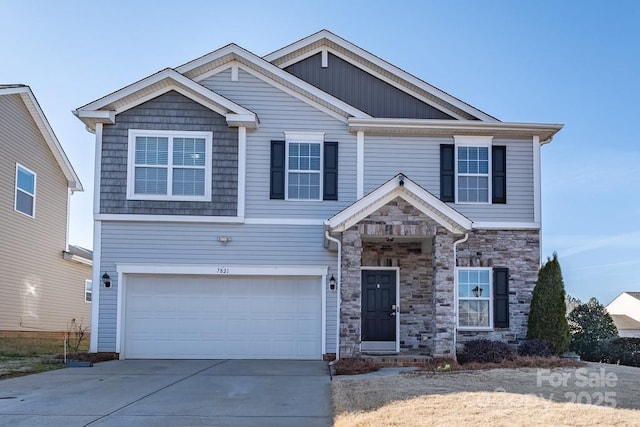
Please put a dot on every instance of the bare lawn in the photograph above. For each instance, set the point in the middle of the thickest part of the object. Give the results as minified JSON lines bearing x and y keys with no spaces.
{"x":596,"y":394}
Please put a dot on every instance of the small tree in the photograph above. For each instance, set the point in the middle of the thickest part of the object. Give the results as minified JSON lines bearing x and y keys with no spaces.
{"x":571,"y":303}
{"x":589,"y":324}
{"x":547,"y":318}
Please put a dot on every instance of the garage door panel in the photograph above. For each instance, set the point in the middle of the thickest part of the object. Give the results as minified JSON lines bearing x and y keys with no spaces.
{"x":229,"y":317}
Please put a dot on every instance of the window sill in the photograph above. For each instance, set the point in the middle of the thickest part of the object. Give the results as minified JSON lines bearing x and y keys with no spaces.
{"x":468,"y":329}
{"x":170,"y":198}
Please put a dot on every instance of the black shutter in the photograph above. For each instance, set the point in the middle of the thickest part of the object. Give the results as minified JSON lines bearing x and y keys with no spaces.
{"x":447,"y":173}
{"x":499,"y":174}
{"x":330,"y":179}
{"x":277,"y":170}
{"x":501,"y":297}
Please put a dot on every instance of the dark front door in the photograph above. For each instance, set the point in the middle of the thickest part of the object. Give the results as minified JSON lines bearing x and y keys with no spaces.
{"x":379,"y":305}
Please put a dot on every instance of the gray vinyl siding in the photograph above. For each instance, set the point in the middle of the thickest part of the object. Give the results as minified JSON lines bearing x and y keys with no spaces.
{"x":280,"y":112}
{"x":39,"y":290}
{"x":360,"y":89}
{"x":182,"y":243}
{"x":419,"y":159}
{"x":175,"y":112}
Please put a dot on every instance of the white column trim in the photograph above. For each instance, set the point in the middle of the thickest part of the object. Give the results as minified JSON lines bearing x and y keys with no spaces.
{"x":242,"y":168}
{"x":325,"y":58}
{"x":97,"y":287}
{"x":97,"y":169}
{"x":360,"y":165}
{"x":537,"y":211}
{"x":234,"y":73}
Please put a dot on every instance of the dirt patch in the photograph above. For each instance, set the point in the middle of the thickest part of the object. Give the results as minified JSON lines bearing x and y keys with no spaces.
{"x":525,"y":396}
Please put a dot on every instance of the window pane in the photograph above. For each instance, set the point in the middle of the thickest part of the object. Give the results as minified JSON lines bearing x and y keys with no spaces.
{"x":483,"y":153}
{"x":152,"y":150}
{"x":26,"y":181}
{"x":304,"y":186}
{"x":304,"y":156}
{"x":188,"y":151}
{"x":188,"y":182}
{"x":150,"y":181}
{"x":24,"y":203}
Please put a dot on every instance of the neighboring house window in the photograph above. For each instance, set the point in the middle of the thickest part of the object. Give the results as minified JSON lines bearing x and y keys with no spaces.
{"x":304,"y":167}
{"x":475,"y":295}
{"x":25,"y":197}
{"x":169,"y":165}
{"x":88,"y":290}
{"x":473,"y":171}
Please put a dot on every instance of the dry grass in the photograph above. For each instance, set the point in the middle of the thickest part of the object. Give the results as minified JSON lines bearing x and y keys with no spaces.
{"x":494,"y":397}
{"x":32,"y":347}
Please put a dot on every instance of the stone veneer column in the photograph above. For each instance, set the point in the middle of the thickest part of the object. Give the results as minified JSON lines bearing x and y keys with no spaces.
{"x":350,"y":292}
{"x":443,"y":294}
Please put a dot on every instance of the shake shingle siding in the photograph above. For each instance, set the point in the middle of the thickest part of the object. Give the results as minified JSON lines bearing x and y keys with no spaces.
{"x":175,"y":112}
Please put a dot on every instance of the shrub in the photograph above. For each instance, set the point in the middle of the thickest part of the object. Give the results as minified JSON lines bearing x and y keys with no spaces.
{"x":547,"y":319}
{"x":485,"y":351}
{"x":623,"y":351}
{"x":589,"y":325}
{"x":535,"y":348}
{"x":355,"y":366}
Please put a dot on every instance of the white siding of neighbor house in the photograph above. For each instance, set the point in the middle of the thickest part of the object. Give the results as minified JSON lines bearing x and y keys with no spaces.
{"x":419,"y":159}
{"x":183,"y":243}
{"x":39,"y":290}
{"x":280,"y":112}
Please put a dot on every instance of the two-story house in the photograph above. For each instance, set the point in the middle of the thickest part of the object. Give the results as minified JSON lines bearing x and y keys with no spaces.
{"x":314,"y":201}
{"x":45,"y":283}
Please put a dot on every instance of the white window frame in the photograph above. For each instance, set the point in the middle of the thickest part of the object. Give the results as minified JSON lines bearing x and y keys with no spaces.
{"x":480,"y":142}
{"x":88,"y":289}
{"x":304,"y":138}
{"x":490,"y":298}
{"x":133,"y":133}
{"x":16,"y":189}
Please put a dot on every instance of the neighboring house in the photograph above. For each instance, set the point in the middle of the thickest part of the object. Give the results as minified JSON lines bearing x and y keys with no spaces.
{"x":625,"y":312}
{"x":44,"y":280}
{"x":314,"y":201}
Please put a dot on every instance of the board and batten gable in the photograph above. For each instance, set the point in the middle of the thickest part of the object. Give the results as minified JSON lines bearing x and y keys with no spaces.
{"x":280,"y":112}
{"x":197,"y":244}
{"x":171,"y":111}
{"x":40,"y":291}
{"x":419,"y":159}
{"x":362,"y":90}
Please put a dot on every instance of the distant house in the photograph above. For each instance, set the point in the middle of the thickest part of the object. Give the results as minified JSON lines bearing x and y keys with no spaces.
{"x":314,"y":202}
{"x":44,"y":281}
{"x":625,"y":312}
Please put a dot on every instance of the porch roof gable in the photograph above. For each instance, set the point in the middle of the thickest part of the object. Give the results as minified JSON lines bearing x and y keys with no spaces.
{"x":401,"y":186}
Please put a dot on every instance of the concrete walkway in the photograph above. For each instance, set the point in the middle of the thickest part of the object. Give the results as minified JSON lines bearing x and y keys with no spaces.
{"x":172,"y":393}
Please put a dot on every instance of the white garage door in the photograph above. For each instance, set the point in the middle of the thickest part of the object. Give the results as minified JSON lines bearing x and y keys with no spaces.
{"x":222,"y":318}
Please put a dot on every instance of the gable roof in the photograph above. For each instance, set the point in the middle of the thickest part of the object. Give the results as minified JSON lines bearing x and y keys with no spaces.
{"x":636,"y":295}
{"x":625,"y":322}
{"x":29,"y":99}
{"x":105,"y":109}
{"x":403,"y":187}
{"x":216,"y":61}
{"x":325,"y":40}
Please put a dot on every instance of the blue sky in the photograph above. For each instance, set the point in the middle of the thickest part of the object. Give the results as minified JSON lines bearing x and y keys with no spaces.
{"x":570,"y":62}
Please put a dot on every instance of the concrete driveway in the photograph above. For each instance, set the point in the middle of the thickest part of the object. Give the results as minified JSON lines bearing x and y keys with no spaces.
{"x":172,"y":393}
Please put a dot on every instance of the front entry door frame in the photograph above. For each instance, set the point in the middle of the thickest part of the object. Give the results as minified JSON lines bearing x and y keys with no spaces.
{"x":397,"y":270}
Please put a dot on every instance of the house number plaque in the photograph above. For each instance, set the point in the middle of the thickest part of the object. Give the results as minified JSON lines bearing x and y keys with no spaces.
{"x":223,"y":270}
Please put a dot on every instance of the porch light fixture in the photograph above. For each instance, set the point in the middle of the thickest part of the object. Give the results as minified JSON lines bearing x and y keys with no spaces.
{"x":106,"y":280}
{"x":477,"y":291}
{"x":332,"y":283}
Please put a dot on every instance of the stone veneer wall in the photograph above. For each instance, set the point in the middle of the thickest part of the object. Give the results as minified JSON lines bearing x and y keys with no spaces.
{"x":519,"y":251}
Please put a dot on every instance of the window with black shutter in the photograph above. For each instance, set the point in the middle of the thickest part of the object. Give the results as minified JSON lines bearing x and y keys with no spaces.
{"x":500,"y":297}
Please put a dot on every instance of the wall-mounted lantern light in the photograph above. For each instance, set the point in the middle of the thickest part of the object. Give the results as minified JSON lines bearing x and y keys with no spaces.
{"x":332,"y":283}
{"x":106,"y":280}
{"x":477,"y":291}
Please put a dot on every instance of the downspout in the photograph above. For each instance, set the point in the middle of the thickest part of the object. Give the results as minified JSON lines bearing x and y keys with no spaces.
{"x":455,"y":293}
{"x":338,"y":299}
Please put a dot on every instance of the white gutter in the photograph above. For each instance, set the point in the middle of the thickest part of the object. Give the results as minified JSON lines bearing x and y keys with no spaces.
{"x":338,"y":299}
{"x":455,"y":293}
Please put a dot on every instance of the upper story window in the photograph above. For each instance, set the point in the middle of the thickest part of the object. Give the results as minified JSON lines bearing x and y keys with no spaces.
{"x":304,"y":165}
{"x":473,"y":169}
{"x":169,"y":165}
{"x":25,"y":197}
{"x":475,"y":308}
